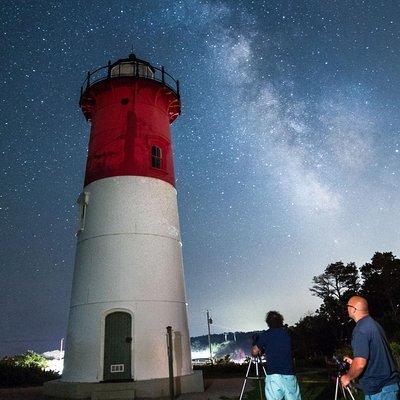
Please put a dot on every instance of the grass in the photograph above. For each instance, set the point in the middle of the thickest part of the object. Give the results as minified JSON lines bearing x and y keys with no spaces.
{"x":315,"y":383}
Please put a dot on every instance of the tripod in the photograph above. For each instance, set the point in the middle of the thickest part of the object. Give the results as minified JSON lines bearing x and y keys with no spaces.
{"x":343,"y":389}
{"x":257,"y":362}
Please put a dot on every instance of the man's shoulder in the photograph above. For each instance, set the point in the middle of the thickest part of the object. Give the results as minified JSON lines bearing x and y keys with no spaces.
{"x":277,"y":332}
{"x":368,"y":321}
{"x":261,"y":335}
{"x":266,"y":334}
{"x":273,"y":332}
{"x":366,"y":325}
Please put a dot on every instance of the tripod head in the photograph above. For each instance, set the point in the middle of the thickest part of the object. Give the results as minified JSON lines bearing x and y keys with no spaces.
{"x":342,"y":366}
{"x":258,"y":359}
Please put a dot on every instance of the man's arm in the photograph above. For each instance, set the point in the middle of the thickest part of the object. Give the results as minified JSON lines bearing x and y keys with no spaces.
{"x":357,"y":366}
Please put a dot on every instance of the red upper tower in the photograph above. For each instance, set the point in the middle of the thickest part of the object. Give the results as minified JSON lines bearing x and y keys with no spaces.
{"x":130,"y":105}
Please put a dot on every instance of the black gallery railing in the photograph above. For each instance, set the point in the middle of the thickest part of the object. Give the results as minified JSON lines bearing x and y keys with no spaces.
{"x":130,"y":68}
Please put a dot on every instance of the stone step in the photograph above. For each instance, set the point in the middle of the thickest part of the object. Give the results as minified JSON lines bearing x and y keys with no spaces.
{"x":113,"y":395}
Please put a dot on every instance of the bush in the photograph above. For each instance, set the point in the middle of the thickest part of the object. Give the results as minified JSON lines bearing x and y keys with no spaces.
{"x":15,"y":375}
{"x":25,"y":370}
{"x":225,"y":360}
{"x":312,"y":362}
{"x":344,"y":351}
{"x":222,"y":370}
{"x":30,"y":359}
{"x":395,"y":348}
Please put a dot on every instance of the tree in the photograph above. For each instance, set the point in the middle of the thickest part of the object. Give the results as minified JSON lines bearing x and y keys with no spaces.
{"x":381,"y":287}
{"x":312,"y":337}
{"x":330,"y":328}
{"x":337,"y":281}
{"x":334,"y":286}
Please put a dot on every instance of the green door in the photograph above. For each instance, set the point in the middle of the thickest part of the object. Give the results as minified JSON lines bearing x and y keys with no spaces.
{"x":117,"y":346}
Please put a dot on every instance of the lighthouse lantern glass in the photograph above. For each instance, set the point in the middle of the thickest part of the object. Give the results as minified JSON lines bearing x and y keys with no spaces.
{"x":129,"y":68}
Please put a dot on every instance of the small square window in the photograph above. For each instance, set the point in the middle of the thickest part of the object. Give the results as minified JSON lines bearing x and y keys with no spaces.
{"x":115,"y":368}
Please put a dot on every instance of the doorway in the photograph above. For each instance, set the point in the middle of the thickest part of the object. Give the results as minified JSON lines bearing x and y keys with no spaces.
{"x":117,"y":346}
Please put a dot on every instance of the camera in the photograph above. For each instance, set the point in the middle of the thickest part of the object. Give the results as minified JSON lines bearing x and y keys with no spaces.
{"x":342,"y":366}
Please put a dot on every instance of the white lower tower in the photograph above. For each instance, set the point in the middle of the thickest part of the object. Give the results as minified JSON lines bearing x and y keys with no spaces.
{"x":128,"y":261}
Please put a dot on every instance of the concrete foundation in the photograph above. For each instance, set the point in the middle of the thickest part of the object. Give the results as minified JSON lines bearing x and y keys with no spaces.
{"x":152,"y":388}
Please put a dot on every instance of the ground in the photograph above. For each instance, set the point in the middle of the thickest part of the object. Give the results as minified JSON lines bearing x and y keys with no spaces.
{"x":314,"y":384}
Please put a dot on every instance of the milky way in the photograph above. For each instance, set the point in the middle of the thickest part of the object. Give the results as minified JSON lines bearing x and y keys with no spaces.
{"x":286,"y":152}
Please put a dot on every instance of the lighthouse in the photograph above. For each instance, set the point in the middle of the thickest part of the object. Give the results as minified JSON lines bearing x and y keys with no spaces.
{"x":128,"y":282}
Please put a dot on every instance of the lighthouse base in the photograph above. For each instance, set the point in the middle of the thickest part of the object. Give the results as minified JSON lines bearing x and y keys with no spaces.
{"x":152,"y":388}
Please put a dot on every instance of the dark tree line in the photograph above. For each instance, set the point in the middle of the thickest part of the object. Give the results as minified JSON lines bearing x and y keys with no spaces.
{"x":329,"y":328}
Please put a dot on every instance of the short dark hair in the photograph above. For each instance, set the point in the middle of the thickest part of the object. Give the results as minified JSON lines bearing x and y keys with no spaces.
{"x":274,"y":319}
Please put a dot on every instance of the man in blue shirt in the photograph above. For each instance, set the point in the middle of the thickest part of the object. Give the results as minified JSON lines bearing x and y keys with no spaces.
{"x":373,"y":362}
{"x":276,"y":344}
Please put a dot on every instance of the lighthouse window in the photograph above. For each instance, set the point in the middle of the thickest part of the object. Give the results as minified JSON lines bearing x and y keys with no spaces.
{"x":156,"y":157}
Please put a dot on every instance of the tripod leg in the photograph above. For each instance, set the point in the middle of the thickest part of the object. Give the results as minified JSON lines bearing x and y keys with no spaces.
{"x":245,"y":380}
{"x":265,"y":372}
{"x":344,"y":393}
{"x":351,"y":394}
{"x":337,"y":388}
{"x":261,"y":391}
{"x":259,"y":382}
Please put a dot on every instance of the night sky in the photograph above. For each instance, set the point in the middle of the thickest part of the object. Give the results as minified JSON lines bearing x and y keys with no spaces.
{"x":286,"y":153}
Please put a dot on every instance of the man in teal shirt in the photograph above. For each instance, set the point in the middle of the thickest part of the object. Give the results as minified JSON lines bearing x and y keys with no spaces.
{"x":276,"y":344}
